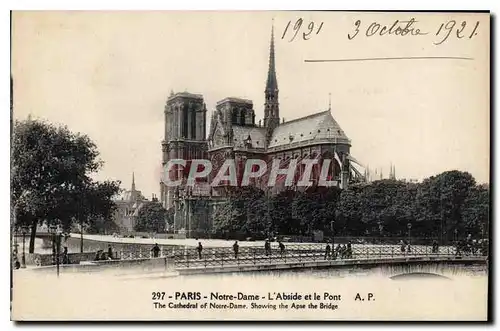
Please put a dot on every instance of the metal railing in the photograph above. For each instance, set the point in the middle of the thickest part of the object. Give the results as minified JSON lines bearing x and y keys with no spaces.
{"x":211,"y":257}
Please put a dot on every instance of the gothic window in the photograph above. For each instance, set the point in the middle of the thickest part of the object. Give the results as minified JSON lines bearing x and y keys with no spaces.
{"x":242,"y":117}
{"x":234,"y":117}
{"x":193,"y":124}
{"x":185,"y":121}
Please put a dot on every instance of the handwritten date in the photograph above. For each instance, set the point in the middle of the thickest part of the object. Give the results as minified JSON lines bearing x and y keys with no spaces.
{"x":409,"y":28}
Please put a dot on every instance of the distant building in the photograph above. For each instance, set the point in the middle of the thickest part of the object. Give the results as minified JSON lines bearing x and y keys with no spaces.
{"x":128,"y":207}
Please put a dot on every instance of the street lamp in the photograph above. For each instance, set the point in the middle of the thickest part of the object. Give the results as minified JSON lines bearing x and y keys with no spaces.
{"x":456,"y":235}
{"x":24,"y":230}
{"x":332,"y":228}
{"x":409,"y":233}
{"x":56,"y":232}
{"x":58,"y":247}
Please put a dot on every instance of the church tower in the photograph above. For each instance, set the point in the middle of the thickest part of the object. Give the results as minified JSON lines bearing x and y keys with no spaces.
{"x":185,"y":132}
{"x":271,"y":105}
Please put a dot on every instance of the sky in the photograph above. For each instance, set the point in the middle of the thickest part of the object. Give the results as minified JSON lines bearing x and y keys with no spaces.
{"x":109,"y":74}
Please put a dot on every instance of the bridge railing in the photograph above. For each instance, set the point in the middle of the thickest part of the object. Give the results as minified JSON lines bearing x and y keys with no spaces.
{"x":192,"y":257}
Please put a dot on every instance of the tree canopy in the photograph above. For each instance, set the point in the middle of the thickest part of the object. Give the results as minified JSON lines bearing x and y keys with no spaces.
{"x":152,"y":217}
{"x":51,"y":183}
{"x":442,"y":207}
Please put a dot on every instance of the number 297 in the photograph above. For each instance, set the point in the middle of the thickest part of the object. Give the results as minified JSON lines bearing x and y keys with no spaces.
{"x":158,"y":295}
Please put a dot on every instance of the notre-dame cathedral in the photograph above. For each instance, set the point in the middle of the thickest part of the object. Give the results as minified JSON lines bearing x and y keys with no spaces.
{"x":235,"y":134}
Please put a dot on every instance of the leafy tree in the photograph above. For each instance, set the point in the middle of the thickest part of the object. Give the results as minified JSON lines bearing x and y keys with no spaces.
{"x":98,"y":210}
{"x":51,"y":169}
{"x":476,"y":211}
{"x":381,"y":208}
{"x":169,"y":218}
{"x":243,"y":211}
{"x":151,"y":218}
{"x":440,"y":201}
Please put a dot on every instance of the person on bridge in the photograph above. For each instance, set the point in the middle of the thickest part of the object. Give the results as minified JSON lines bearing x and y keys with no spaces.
{"x":267,"y":247}
{"x":328,"y":251}
{"x":282,"y":248}
{"x":435,"y":247}
{"x":97,"y":255}
{"x":110,"y":252}
{"x":155,"y":250}
{"x":338,"y":251}
{"x":65,"y":255}
{"x":403,"y":246}
{"x":199,"y":248}
{"x":349,"y":250}
{"x":236,"y":248}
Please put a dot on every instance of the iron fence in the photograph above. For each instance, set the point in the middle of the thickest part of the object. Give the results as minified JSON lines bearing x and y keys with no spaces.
{"x":210,"y":257}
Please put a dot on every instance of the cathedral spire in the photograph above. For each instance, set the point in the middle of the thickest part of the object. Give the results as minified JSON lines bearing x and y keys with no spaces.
{"x":271,"y":106}
{"x":133,"y":181}
{"x":272,"y":82}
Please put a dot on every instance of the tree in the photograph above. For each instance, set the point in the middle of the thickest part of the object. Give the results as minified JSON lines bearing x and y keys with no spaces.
{"x":243,"y":211}
{"x":51,"y":170}
{"x":98,"y":208}
{"x":151,"y":218}
{"x":440,"y":201}
{"x":476,"y":211}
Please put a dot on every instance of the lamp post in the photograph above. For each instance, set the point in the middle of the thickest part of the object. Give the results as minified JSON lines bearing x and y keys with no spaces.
{"x":56,"y":232}
{"x":58,"y":247}
{"x":409,"y":233}
{"x":23,"y":258}
{"x":456,"y":235}
{"x":332,"y":228}
{"x":52,"y":231}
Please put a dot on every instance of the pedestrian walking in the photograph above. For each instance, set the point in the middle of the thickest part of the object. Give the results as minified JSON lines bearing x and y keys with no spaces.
{"x":328,"y":251}
{"x":65,"y":255}
{"x":349,"y":250}
{"x":435,"y":247}
{"x":282,"y":248}
{"x":110,"y":252}
{"x":267,"y":247}
{"x":199,"y":248}
{"x":235,"y":249}
{"x":338,"y":251}
{"x":155,"y":250}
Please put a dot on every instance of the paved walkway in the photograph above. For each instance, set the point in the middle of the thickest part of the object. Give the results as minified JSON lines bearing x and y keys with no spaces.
{"x":173,"y":242}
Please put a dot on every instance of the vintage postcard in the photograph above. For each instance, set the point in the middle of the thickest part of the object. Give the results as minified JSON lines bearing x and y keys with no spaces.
{"x":295,"y":165}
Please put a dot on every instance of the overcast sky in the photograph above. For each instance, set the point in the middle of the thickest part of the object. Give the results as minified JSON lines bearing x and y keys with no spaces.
{"x":108,"y":74}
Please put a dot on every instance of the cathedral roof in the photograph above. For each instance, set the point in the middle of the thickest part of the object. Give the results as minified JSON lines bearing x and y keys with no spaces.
{"x":186,"y":95}
{"x":235,"y":100}
{"x":257,"y":134}
{"x":313,"y":128}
